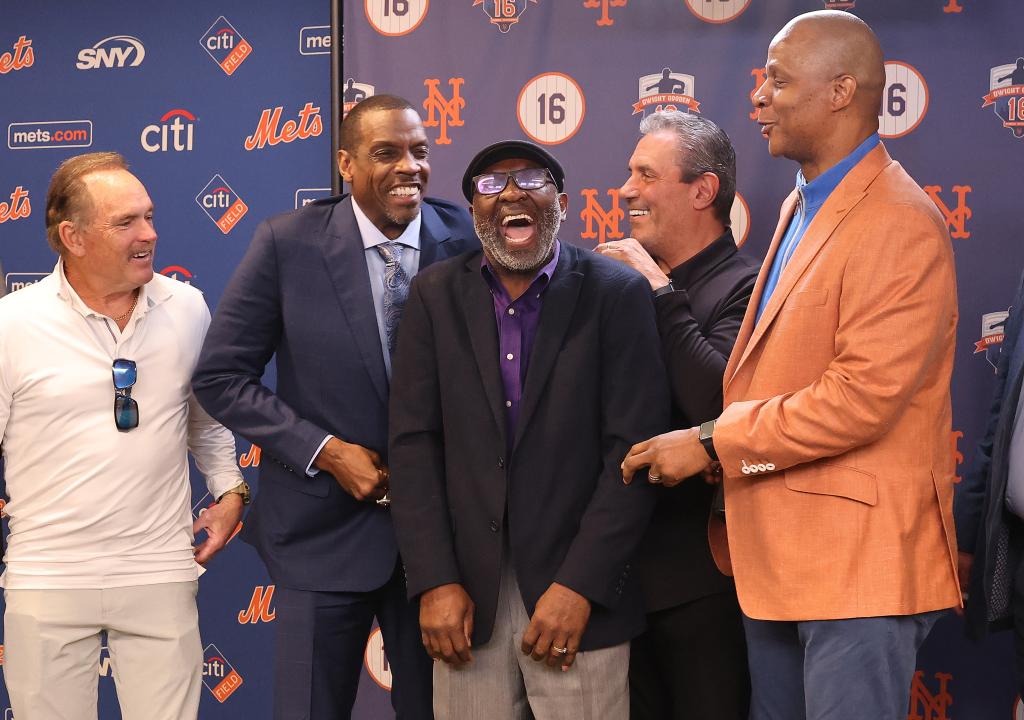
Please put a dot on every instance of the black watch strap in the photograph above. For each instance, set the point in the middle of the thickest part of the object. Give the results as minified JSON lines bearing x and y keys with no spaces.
{"x":707,"y":429}
{"x":665,"y":289}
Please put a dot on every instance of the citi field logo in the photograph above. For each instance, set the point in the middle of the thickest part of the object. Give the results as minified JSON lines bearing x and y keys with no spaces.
{"x":377,"y":665}
{"x":179,"y":273}
{"x":504,"y":13}
{"x":21,"y":57}
{"x":993,"y":330}
{"x":221,"y":204}
{"x":601,"y":225}
{"x":18,"y":208}
{"x":926,"y":704}
{"x":116,"y":51}
{"x":259,"y":609}
{"x":717,"y":11}
{"x":605,"y":5}
{"x":443,"y":112}
{"x":20,"y":281}
{"x":49,"y":134}
{"x":219,"y":675}
{"x":395,"y":17}
{"x":225,"y":45}
{"x":354,"y":93}
{"x":174,"y":132}
{"x":666,"y":90}
{"x":315,"y":40}
{"x":270,"y":131}
{"x":1006,"y":95}
{"x":304,"y":196}
{"x":956,"y":216}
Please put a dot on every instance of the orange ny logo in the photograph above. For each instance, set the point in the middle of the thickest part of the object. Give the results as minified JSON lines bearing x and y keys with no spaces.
{"x":600,"y":224}
{"x":443,"y":111}
{"x":956,"y":218}
{"x":957,"y":455}
{"x":926,"y":706}
{"x":759,"y":78}
{"x":604,"y":20}
{"x":953,"y":7}
{"x":251,"y":458}
{"x":259,"y":606}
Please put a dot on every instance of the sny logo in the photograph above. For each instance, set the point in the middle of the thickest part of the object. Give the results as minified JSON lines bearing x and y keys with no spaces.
{"x":112,"y":52}
{"x":605,"y":19}
{"x":443,"y":111}
{"x":219,"y":675}
{"x":225,"y":45}
{"x":19,"y":207}
{"x":504,"y":13}
{"x":956,"y":218}
{"x":170,"y":131}
{"x":924,"y":705}
{"x":1006,"y":93}
{"x":259,"y":607}
{"x":221,"y":204}
{"x":354,"y":93}
{"x":601,"y":225}
{"x":267,"y":132}
{"x":666,"y":90}
{"x":993,"y":330}
{"x":22,"y":57}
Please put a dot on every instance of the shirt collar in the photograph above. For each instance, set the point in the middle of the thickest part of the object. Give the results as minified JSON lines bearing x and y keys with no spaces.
{"x":692,"y":269}
{"x":372,"y":236}
{"x":816,"y":192}
{"x":150,"y":295}
{"x":540,"y":280}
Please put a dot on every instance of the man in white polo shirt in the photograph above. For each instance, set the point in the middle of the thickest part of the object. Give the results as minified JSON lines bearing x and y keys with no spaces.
{"x":96,"y":420}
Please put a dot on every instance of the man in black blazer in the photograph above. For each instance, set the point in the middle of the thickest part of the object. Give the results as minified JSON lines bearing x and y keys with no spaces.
{"x":989,"y":504}
{"x":321,"y":289}
{"x":521,"y":377}
{"x":691,"y":663}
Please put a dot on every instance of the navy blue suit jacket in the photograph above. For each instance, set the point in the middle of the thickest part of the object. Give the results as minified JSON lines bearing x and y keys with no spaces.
{"x":982,"y":519}
{"x":302,"y":293}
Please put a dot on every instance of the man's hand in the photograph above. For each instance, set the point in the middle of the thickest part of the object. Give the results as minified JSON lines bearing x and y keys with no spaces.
{"x":357,"y":469}
{"x":557,"y":624}
{"x":219,"y":521}
{"x":965,"y":562}
{"x":446,"y":624}
{"x":672,"y":457}
{"x":632,"y":253}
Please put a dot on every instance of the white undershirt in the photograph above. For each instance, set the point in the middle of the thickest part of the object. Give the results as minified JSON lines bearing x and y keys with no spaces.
{"x":92,"y":507}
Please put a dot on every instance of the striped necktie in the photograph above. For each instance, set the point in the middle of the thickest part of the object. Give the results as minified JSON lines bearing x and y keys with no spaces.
{"x":396,"y":289}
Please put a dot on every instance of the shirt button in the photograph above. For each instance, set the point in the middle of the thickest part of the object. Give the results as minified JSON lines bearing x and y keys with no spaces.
{"x":501,"y":462}
{"x":508,"y":403}
{"x":511,"y":311}
{"x":509,"y":356}
{"x":494,"y":526}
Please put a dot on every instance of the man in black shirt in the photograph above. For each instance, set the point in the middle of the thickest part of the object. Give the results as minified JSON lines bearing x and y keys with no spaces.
{"x":691,"y":663}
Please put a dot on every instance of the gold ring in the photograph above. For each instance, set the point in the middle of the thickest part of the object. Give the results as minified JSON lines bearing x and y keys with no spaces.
{"x":559,"y":651}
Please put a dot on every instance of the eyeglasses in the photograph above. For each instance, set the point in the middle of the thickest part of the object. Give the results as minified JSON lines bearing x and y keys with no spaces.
{"x":126,"y":410}
{"x":525,"y":179}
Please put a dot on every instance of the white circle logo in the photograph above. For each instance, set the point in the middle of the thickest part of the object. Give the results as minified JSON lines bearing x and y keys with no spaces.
{"x":739,"y":217}
{"x":396,"y":17}
{"x":717,"y":11}
{"x":904,"y":101}
{"x":551,"y":108}
{"x":376,"y":661}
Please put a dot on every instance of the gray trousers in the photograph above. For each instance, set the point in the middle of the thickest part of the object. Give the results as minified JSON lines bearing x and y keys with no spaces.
{"x":503,"y":684}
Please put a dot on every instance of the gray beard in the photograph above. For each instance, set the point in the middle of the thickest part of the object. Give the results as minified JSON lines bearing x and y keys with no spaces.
{"x":525,"y":261}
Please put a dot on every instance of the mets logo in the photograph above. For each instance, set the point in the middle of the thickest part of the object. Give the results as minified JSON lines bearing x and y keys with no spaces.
{"x":551,"y":108}
{"x":21,"y":57}
{"x":955,"y":436}
{"x":605,"y":19}
{"x":259,"y":609}
{"x":270,"y":131}
{"x":221,"y":204}
{"x":666,"y":90}
{"x":250,"y":458}
{"x":717,"y":11}
{"x":354,"y":93}
{"x":601,"y":225}
{"x":219,"y":675}
{"x":395,"y":17}
{"x":953,"y":7}
{"x":19,"y":207}
{"x":504,"y":13}
{"x":957,"y":216}
{"x":376,"y":661}
{"x":993,"y":330}
{"x":442,"y":111}
{"x":1006,"y":95}
{"x":225,"y":45}
{"x":926,"y":705}
{"x":759,"y":74}
{"x":904,"y":100}
{"x":840,"y":4}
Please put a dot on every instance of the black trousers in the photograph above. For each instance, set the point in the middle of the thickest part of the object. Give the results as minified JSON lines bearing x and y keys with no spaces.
{"x":691,"y":663}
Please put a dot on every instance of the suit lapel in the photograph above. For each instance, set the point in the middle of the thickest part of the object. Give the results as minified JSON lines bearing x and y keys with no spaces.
{"x":555,"y":315}
{"x":433,"y":235}
{"x":344,"y":255}
{"x":478,"y":307}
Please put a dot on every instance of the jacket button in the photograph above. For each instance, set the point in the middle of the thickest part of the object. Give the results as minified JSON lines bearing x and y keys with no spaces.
{"x":494,"y":526}
{"x":501,"y":462}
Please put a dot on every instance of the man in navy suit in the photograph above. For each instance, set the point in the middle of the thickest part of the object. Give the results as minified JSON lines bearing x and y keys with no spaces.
{"x":989,"y":504}
{"x":322,"y":288}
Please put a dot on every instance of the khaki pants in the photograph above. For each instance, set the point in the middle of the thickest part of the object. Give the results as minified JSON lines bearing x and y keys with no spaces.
{"x":52,"y":651}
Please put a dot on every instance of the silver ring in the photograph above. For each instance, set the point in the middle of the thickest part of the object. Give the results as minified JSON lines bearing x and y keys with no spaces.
{"x":559,"y":651}
{"x":654,"y":478}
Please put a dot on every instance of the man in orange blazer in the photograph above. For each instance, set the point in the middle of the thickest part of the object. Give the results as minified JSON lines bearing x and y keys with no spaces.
{"x":834,"y":440}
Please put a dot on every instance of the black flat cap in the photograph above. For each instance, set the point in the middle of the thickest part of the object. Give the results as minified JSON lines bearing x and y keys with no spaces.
{"x":505,"y":150}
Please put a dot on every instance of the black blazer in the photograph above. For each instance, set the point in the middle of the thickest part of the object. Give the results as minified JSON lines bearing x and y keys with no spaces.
{"x":595,"y":386}
{"x":302,"y":294}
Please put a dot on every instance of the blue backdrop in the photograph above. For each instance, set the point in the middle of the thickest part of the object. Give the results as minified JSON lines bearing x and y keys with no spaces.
{"x":223,"y":109}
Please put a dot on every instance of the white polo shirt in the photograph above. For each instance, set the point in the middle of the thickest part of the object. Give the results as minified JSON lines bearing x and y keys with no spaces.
{"x":90,"y":506}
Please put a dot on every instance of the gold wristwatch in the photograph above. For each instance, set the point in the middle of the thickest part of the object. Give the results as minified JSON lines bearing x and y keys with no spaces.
{"x":242,"y":489}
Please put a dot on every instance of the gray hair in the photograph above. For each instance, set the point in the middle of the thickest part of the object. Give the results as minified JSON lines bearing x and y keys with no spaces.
{"x":702,"y":147}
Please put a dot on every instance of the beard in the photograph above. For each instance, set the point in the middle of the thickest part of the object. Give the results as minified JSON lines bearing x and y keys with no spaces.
{"x":520,"y":261}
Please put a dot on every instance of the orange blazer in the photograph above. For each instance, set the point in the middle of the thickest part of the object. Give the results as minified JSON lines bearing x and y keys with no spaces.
{"x":836,"y":434}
